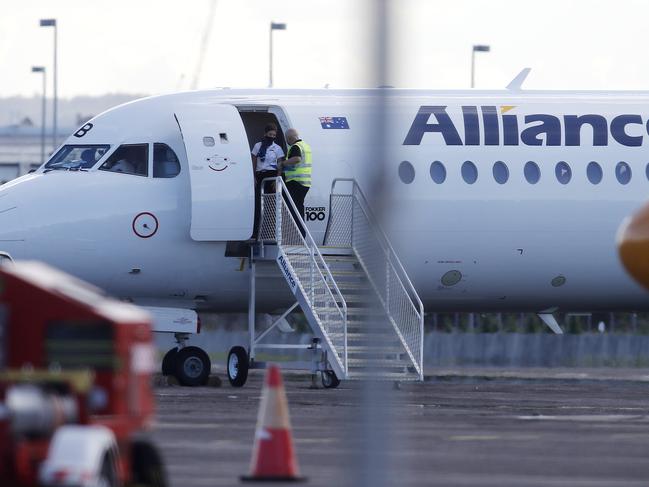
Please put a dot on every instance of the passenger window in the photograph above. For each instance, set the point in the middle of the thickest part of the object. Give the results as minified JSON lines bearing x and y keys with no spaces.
{"x":501,"y":172}
{"x":563,"y":172}
{"x":532,"y":172}
{"x":165,"y":162}
{"x":469,"y":172}
{"x":623,"y":172}
{"x":129,"y":159}
{"x":594,"y":172}
{"x":438,"y":172}
{"x":406,"y":172}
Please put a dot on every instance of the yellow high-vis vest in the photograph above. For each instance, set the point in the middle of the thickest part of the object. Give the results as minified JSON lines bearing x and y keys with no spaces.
{"x":300,"y":172}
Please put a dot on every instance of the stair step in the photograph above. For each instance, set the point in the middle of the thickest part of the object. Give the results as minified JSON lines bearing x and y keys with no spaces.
{"x":378,"y":363}
{"x":369,"y":339}
{"x":369,"y":325}
{"x":354,"y":301}
{"x":361,"y":298}
{"x":369,"y":332}
{"x":329,"y":251}
{"x":367,"y":375}
{"x":355,"y":288}
{"x":353,"y":284}
{"x":347,"y":273}
{"x":374,"y":350}
{"x":385,"y":347}
{"x":340,"y":258}
{"x":372,"y":333}
{"x":369,"y":347}
{"x":352,"y":311}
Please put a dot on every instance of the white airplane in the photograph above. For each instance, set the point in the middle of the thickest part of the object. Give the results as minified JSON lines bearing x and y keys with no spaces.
{"x":497,"y":200}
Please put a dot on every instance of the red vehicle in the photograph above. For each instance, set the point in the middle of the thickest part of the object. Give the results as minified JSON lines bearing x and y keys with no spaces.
{"x":75,"y":384}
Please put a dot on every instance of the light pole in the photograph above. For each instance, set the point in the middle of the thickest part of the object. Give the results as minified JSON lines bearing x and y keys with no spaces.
{"x":52,"y":23}
{"x":273,"y":26}
{"x":41,"y":69}
{"x":476,"y":48}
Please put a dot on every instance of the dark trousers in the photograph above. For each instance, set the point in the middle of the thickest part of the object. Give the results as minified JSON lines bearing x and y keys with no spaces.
{"x":259,"y":177}
{"x":298,"y":193}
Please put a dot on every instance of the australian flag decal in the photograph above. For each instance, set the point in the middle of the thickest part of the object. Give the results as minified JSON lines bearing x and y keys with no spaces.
{"x":334,"y":123}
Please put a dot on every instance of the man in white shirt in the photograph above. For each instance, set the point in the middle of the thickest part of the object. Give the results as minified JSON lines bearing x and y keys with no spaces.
{"x":265,"y":156}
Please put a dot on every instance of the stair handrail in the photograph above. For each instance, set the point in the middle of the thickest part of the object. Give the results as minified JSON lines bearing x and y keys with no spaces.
{"x":391,"y":259}
{"x":282,"y":195}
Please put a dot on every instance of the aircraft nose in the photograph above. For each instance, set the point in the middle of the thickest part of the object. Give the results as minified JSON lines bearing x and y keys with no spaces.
{"x":11,"y":225}
{"x":633,"y":245}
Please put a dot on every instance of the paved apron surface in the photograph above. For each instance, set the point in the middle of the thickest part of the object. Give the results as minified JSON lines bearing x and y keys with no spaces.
{"x":536,"y":430}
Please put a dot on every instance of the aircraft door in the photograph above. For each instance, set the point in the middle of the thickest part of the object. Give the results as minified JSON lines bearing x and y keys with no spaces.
{"x":220,"y":172}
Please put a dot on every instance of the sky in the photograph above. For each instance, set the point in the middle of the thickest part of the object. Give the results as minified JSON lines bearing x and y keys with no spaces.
{"x":152,"y":46}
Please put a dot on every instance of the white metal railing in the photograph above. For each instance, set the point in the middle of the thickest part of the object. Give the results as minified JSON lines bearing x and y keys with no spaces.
{"x":352,"y":224}
{"x":281,"y":225}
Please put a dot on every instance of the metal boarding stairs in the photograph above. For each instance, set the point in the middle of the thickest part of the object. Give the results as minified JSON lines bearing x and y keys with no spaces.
{"x":364,"y":312}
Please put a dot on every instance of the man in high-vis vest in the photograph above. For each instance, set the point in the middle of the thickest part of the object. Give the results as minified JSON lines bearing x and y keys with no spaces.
{"x":297,"y":170}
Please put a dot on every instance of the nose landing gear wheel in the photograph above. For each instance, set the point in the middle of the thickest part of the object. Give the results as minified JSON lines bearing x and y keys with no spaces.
{"x":329,"y":379}
{"x":192,"y":367}
{"x":238,"y":366}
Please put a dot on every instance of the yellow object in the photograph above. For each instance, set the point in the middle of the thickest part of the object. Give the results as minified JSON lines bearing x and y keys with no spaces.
{"x":300,"y":172}
{"x":633,"y":246}
{"x":81,"y":380}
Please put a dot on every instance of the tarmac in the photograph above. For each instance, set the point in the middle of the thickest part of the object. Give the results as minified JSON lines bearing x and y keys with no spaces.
{"x":462,"y":427}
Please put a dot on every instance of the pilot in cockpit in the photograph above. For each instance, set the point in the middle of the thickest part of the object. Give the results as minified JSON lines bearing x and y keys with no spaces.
{"x":125,"y":163}
{"x":128,"y":159}
{"x":88,"y":158}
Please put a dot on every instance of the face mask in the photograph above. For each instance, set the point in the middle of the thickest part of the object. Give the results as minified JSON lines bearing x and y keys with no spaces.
{"x":269,"y":139}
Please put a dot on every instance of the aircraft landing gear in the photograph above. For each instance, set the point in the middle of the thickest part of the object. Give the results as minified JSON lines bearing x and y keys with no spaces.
{"x":169,"y":362}
{"x":191,"y":366}
{"x":329,"y":379}
{"x":238,"y":365}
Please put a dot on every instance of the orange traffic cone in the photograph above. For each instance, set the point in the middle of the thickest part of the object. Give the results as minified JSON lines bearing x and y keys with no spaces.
{"x":273,"y":457}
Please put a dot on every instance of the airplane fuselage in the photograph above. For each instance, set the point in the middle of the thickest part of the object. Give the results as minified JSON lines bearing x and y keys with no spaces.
{"x":493,"y":200}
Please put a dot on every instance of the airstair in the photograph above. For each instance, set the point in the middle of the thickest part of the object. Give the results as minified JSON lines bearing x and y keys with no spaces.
{"x":365,"y":314}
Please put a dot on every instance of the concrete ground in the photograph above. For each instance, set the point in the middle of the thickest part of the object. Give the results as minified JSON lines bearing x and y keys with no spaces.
{"x":480,"y":427}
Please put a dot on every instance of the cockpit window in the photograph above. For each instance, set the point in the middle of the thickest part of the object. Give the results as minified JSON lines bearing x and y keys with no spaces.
{"x":165,"y":162}
{"x":77,"y":157}
{"x":129,"y":159}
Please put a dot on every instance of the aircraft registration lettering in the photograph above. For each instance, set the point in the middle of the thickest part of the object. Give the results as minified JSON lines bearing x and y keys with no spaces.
{"x":83,"y":130}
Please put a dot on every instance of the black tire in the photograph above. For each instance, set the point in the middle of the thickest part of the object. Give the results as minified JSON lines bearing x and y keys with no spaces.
{"x":329,"y":379}
{"x":169,"y":362}
{"x":237,"y":366}
{"x":192,"y":366}
{"x":108,"y":472}
{"x":146,"y":465}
